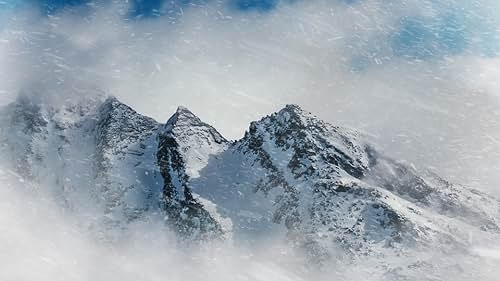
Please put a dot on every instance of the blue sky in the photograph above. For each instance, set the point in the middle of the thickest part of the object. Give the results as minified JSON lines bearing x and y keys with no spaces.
{"x":144,"y":7}
{"x":459,"y":26}
{"x":421,"y":60}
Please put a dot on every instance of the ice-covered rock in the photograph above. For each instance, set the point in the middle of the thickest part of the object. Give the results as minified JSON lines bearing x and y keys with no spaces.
{"x":321,"y":187}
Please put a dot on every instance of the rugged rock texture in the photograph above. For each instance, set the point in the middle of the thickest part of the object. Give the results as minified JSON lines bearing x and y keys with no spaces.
{"x":185,"y":145}
{"x":322,"y":187}
{"x":337,"y":190}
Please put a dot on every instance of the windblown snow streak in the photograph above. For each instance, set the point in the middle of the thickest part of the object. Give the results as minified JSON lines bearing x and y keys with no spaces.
{"x":419,"y":75}
{"x":93,"y":189}
{"x":294,"y":180}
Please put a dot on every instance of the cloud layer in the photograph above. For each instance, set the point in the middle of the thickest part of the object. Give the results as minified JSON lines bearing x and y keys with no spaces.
{"x":419,"y":76}
{"x":39,"y":240}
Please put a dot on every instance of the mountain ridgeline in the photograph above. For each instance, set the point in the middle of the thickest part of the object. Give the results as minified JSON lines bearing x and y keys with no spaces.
{"x":320,"y":187}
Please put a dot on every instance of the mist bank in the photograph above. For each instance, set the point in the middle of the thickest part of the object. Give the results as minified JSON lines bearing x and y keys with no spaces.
{"x":56,"y":232}
{"x":341,"y":61}
{"x":41,"y":240}
{"x":337,"y":60}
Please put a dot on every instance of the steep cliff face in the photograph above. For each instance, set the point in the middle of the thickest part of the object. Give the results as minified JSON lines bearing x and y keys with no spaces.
{"x":334,"y":189}
{"x":27,"y":124}
{"x":320,"y":187}
{"x":97,"y":155}
{"x":128,"y":181}
{"x":185,"y":147}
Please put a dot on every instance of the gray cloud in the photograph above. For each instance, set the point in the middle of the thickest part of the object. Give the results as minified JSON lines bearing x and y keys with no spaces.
{"x":230,"y":68}
{"x":39,"y":241}
{"x":334,"y":59}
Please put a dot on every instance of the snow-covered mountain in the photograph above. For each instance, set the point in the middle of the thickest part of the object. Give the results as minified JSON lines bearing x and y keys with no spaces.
{"x":320,"y":187}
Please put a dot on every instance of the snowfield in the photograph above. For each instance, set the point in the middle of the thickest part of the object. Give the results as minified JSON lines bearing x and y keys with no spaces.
{"x":118,"y":195}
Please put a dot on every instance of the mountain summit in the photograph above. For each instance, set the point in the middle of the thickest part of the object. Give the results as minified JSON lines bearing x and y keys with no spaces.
{"x":318,"y":186}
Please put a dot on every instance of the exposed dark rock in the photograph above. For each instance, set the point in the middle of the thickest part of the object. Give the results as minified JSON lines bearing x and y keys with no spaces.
{"x":325,"y":185}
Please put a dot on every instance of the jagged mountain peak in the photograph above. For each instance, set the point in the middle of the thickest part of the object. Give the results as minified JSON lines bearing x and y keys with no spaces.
{"x":292,"y":172}
{"x":185,"y":147}
{"x":111,"y":104}
{"x":182,"y":110}
{"x":185,"y":125}
{"x":118,"y":125}
{"x":110,"y":109}
{"x":291,"y":114}
{"x":294,"y":110}
{"x":111,"y":101}
{"x":293,"y":122}
{"x":183,"y":117}
{"x":189,"y":140}
{"x":305,"y":140}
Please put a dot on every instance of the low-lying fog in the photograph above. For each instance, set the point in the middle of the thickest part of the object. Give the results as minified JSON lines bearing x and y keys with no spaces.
{"x":39,"y":241}
{"x":435,"y":106}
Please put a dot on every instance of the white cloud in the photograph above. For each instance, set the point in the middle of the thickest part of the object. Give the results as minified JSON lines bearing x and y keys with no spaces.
{"x":38,"y":240}
{"x":232,"y":67}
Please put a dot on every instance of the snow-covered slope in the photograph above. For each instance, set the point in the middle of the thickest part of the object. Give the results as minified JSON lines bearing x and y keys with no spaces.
{"x":321,"y":187}
{"x":97,"y":156}
{"x":185,"y":147}
{"x":329,"y":188}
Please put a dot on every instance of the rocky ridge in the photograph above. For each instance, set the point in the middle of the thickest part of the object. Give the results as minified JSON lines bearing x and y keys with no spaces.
{"x":321,"y":186}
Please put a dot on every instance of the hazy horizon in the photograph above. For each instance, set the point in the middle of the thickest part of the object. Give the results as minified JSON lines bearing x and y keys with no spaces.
{"x":419,"y":77}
